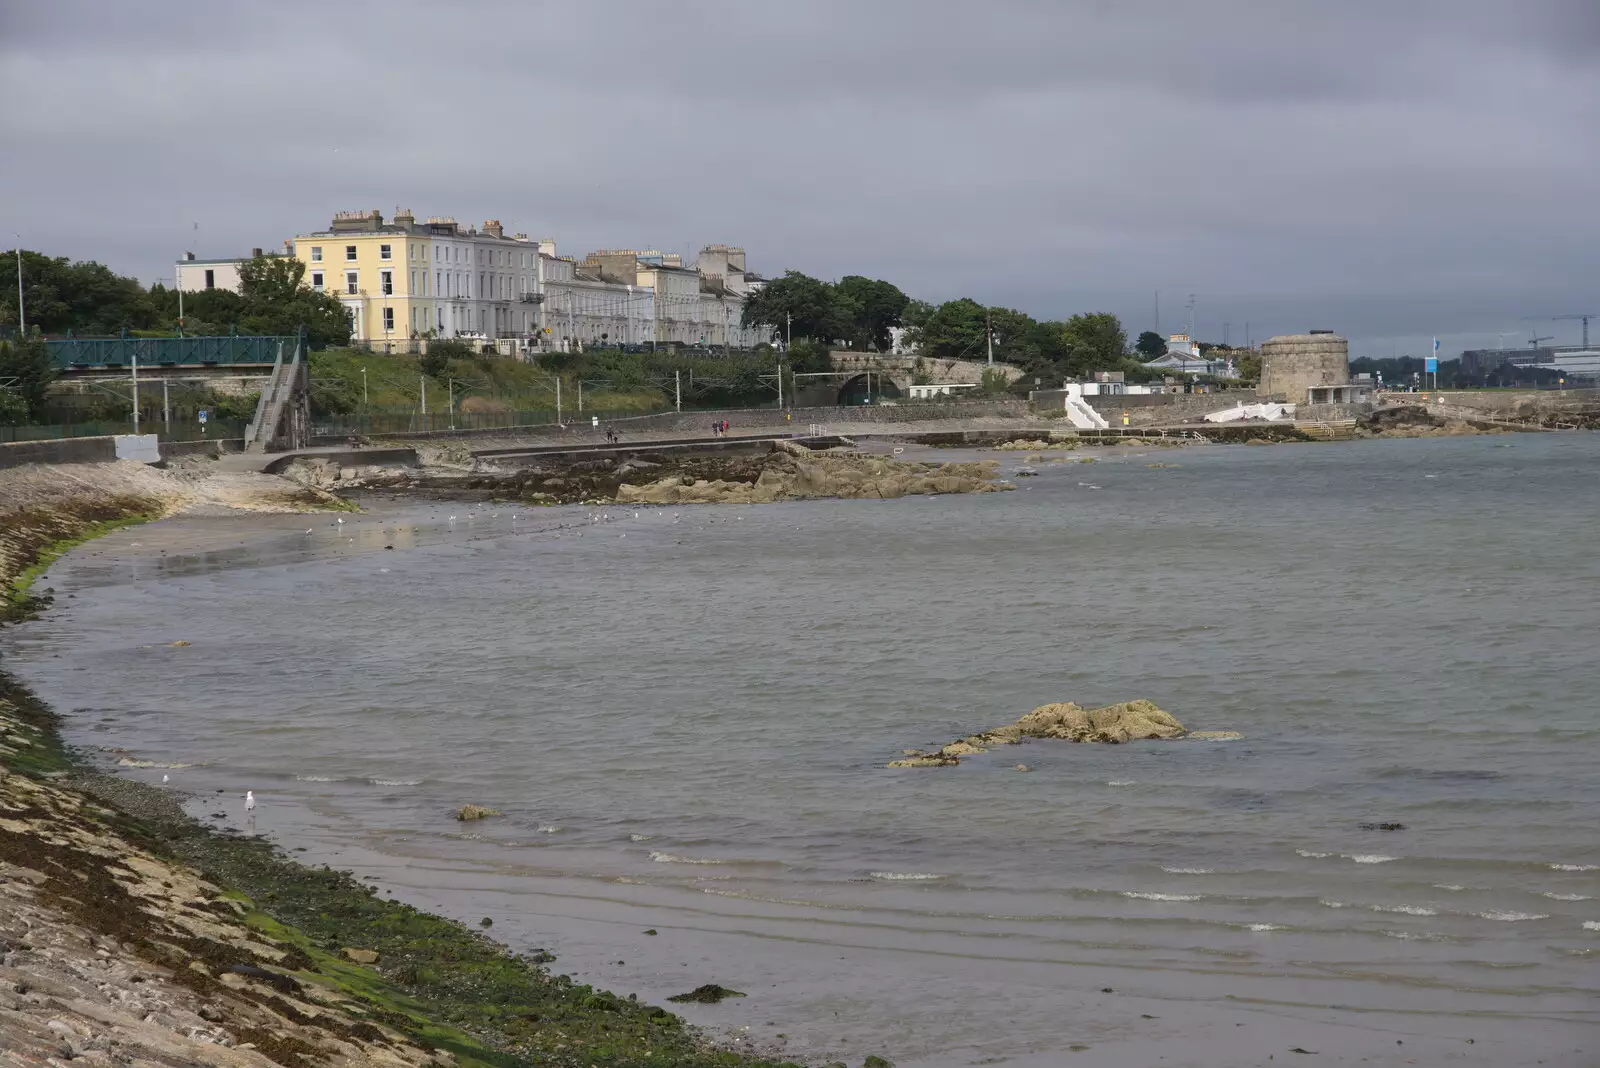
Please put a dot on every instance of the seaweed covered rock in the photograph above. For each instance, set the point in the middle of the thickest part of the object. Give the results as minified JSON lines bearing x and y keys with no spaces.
{"x":1112,"y":724}
{"x":1123,"y":722}
{"x":709,"y":994}
{"x":791,"y":472}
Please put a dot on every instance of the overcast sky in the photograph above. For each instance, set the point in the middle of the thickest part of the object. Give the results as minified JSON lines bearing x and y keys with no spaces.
{"x":1391,"y":169}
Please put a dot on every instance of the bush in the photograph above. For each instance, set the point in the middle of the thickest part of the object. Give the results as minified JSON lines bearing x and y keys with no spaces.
{"x":436,"y":361}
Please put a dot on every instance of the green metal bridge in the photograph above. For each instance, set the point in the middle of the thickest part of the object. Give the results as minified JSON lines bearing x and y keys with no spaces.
{"x":116,"y":353}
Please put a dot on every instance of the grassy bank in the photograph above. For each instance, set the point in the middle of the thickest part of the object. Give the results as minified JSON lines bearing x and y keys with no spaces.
{"x":435,"y":983}
{"x":394,"y":384}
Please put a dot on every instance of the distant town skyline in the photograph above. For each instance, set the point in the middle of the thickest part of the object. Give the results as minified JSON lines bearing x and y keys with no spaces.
{"x":1392,"y":172}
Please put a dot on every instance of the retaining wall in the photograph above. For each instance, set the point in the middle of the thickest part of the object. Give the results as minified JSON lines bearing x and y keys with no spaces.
{"x":1148,"y":409}
{"x":101,"y":450}
{"x":739,"y":420}
{"x":1531,"y":404}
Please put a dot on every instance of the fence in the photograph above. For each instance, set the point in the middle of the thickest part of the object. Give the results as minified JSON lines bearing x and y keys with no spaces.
{"x":379,"y":423}
{"x":73,"y":353}
{"x":184,"y":430}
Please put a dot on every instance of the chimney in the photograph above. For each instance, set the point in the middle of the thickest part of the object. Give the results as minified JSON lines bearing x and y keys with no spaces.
{"x":493,"y":228}
{"x":188,"y":256}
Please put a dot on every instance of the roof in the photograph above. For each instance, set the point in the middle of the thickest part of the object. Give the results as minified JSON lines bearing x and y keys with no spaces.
{"x":1178,"y":359}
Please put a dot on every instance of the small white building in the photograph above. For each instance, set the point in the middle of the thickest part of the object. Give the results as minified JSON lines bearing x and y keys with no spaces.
{"x":195,"y":276}
{"x":943,"y":389}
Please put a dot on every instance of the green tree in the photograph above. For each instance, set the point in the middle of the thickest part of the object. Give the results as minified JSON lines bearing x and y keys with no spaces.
{"x":916,"y":313}
{"x":1248,"y":367}
{"x":1095,"y":342}
{"x":26,"y":372}
{"x":797,"y":305}
{"x":955,"y":329}
{"x":436,"y":361}
{"x":1151,"y":345}
{"x":963,"y":329}
{"x":872,"y":306}
{"x":274,"y":300}
{"x":59,"y":295}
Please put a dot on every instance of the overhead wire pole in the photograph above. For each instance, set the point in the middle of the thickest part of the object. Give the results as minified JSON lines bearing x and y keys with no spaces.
{"x":677,"y":390}
{"x":22,"y":314}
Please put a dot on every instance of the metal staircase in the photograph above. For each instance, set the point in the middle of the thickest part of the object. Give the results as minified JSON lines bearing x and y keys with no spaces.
{"x":282,"y":391}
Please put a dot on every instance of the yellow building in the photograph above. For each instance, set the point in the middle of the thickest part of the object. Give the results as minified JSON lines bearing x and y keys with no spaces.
{"x":402,"y":280}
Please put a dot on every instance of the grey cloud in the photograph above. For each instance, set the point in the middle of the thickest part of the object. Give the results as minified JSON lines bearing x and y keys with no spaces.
{"x":1388,"y":169}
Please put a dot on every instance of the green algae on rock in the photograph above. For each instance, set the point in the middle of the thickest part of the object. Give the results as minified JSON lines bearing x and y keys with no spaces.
{"x":1113,"y":724}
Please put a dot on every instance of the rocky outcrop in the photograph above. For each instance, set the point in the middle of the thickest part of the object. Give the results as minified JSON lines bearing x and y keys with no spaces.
{"x":475,"y":812}
{"x":1037,"y":445}
{"x":793,"y":473}
{"x":1113,"y":724}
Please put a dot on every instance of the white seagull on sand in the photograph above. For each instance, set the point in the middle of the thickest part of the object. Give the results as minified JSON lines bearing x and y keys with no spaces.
{"x":249,"y":801}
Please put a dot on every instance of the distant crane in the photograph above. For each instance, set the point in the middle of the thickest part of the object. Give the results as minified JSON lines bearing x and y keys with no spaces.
{"x":1533,"y":332}
{"x":1585,"y":319}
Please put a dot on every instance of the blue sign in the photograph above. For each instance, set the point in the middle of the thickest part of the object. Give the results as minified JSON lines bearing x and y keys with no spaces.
{"x":1432,"y":364}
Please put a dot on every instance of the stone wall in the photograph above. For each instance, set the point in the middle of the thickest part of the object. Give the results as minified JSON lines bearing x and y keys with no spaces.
{"x":903,"y":368}
{"x":98,"y":450}
{"x":1151,"y":409}
{"x":740,"y":421}
{"x":1531,"y":404}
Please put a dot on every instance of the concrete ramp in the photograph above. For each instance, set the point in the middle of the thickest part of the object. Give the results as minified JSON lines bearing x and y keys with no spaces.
{"x":1241,"y":412}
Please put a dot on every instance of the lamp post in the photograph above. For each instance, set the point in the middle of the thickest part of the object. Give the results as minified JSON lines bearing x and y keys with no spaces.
{"x":363,"y":387}
{"x":22,"y":314}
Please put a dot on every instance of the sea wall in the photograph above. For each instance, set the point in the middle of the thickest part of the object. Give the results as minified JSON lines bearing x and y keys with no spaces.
{"x":1545,"y":405}
{"x":96,"y":450}
{"x":740,"y":420}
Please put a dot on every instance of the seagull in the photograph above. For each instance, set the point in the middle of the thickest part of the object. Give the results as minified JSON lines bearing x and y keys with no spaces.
{"x":165,"y":779}
{"x":308,"y":530}
{"x":249,"y":801}
{"x":339,"y":521}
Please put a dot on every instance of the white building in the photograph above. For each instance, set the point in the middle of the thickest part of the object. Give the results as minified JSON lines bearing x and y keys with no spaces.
{"x":584,"y":308}
{"x":1183,"y":357}
{"x":196,"y":276}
